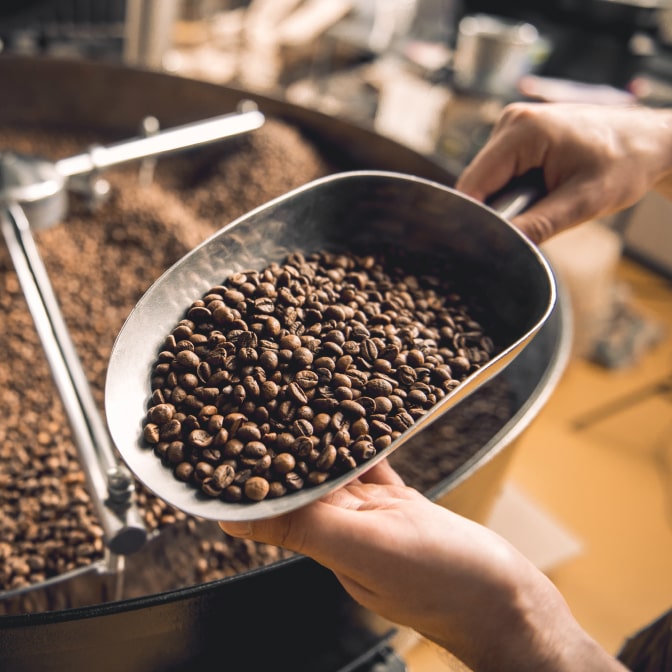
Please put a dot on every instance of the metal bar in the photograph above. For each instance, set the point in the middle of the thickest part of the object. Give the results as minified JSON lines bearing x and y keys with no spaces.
{"x":171,"y":140}
{"x":122,"y":525}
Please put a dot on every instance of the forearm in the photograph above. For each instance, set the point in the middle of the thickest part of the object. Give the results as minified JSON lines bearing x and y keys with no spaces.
{"x":514,"y":619}
{"x":536,"y":633}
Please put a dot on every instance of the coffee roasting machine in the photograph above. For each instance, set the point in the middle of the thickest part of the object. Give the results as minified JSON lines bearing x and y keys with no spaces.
{"x":66,"y":621}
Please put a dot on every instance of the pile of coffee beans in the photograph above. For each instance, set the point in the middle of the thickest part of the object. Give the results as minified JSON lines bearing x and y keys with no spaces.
{"x":283,"y":378}
{"x":100,"y":263}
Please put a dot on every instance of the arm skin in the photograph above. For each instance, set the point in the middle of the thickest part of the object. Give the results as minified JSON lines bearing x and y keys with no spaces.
{"x":417,"y":563}
{"x":596,"y":160}
{"x":420,"y":565}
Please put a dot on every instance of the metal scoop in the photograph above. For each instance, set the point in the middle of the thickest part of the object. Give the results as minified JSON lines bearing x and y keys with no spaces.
{"x":342,"y":211}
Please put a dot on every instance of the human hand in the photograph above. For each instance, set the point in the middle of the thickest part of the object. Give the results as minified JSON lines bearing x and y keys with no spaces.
{"x":418,"y":564}
{"x":596,"y":159}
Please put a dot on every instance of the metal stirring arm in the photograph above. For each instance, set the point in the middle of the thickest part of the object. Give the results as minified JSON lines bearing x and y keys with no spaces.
{"x":110,"y":484}
{"x":247,"y":119}
{"x":32,"y":196}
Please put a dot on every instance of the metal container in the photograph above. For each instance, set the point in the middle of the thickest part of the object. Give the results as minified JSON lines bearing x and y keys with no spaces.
{"x":492,"y":54}
{"x":314,"y":625}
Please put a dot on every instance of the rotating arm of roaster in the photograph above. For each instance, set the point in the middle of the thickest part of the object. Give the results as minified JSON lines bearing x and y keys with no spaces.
{"x":33,"y":196}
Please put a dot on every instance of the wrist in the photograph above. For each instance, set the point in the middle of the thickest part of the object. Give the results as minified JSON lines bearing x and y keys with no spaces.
{"x":548,"y":639}
{"x":529,"y":627}
{"x":662,"y":137}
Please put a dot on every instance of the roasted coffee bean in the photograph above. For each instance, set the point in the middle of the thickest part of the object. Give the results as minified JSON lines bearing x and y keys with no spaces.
{"x":302,"y":357}
{"x":262,"y":465}
{"x":184,"y":471}
{"x":338,"y":420}
{"x":215,"y":424}
{"x":284,"y":463}
{"x":248,"y":432}
{"x":305,"y":413}
{"x":202,"y":471}
{"x":324,"y":404}
{"x":359,"y":428}
{"x":382,"y":442}
{"x":369,"y":350}
{"x":407,"y":375}
{"x":307,"y":379}
{"x":368,"y":404}
{"x":242,"y":475}
{"x":296,"y":393}
{"x":175,"y":452}
{"x":206,"y":413}
{"x":200,"y":438}
{"x":321,"y":422}
{"x":459,"y":365}
{"x":209,"y":487}
{"x":341,"y":380}
{"x":293,"y":481}
{"x":344,"y":393}
{"x":401,"y":421}
{"x":341,"y":437}
{"x":302,"y":446}
{"x":383,"y":405}
{"x":255,"y":450}
{"x":363,"y":450}
{"x":286,"y":411}
{"x":233,"y":448}
{"x":171,"y":430}
{"x":324,"y":383}
{"x":326,"y":459}
{"x":161,"y":414}
{"x":417,"y":397}
{"x":317,"y":477}
{"x":256,"y":488}
{"x":344,"y":459}
{"x":221,"y":437}
{"x":352,"y":409}
{"x":187,"y":359}
{"x":184,"y":344}
{"x":232,"y":493}
{"x":212,"y":455}
{"x":397,"y":400}
{"x":378,"y":427}
{"x":269,"y":390}
{"x":302,"y":427}
{"x":151,"y":434}
{"x":276,"y":489}
{"x":358,"y":379}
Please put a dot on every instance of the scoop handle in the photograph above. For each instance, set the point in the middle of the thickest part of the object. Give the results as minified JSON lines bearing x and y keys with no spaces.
{"x":519,"y":194}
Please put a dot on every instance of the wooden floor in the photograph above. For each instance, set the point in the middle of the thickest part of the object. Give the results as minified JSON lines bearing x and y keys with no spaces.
{"x":609,"y":483}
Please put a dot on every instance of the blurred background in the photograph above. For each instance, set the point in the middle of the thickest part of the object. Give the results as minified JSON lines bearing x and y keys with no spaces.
{"x":355,"y":57}
{"x":589,"y":492}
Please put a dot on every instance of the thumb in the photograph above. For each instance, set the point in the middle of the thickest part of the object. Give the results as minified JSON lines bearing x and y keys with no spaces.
{"x":308,"y":530}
